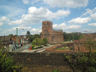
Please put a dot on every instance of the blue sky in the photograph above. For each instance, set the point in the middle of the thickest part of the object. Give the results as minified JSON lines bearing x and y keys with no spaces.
{"x":27,"y":15}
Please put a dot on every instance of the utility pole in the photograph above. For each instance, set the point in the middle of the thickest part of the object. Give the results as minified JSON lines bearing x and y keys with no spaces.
{"x":17,"y":31}
{"x":17,"y":37}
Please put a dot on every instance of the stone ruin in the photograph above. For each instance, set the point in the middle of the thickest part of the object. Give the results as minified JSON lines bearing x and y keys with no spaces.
{"x":53,"y":36}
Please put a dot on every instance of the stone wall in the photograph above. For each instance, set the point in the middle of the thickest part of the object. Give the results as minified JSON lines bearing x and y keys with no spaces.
{"x":39,"y":58}
{"x":41,"y":62}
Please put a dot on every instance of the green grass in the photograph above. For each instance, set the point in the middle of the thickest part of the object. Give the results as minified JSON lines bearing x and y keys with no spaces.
{"x":63,"y":48}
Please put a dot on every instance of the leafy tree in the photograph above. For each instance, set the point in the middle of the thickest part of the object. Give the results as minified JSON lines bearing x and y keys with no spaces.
{"x":28,"y":33}
{"x":45,"y":41}
{"x":11,"y":35}
{"x":32,"y":37}
{"x":37,"y":42}
{"x":36,"y":36}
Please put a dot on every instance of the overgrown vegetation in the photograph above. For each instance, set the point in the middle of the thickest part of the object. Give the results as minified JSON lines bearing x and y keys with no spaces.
{"x":6,"y":62}
{"x":82,"y":62}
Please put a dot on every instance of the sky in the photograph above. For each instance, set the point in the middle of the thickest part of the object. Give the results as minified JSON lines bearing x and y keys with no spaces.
{"x":66,"y":15}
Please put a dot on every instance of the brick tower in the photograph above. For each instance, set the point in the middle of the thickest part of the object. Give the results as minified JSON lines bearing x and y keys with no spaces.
{"x":46,"y":27}
{"x":52,"y":35}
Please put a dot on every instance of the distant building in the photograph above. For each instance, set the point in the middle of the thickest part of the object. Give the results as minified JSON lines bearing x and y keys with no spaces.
{"x":6,"y":40}
{"x":53,"y":36}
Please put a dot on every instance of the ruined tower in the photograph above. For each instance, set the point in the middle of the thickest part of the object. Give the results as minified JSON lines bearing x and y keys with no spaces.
{"x":46,"y":27}
{"x":52,"y":35}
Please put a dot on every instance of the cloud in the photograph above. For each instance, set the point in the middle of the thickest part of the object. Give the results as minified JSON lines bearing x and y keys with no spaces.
{"x":35,"y":30}
{"x":93,"y":16}
{"x":12,"y":11}
{"x":80,"y":20}
{"x":89,"y":12}
{"x":1,"y":23}
{"x":92,"y":24}
{"x":21,"y":27}
{"x":46,"y":13}
{"x":59,"y":26}
{"x":26,"y":1}
{"x":15,"y":22}
{"x":36,"y":15}
{"x":88,"y":16}
{"x":64,"y":26}
{"x":4,"y":20}
{"x":30,"y":1}
{"x":67,"y":3}
{"x":74,"y":27}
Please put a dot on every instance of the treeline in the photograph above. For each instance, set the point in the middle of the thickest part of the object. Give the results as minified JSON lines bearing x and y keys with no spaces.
{"x":67,"y":36}
{"x":72,"y":36}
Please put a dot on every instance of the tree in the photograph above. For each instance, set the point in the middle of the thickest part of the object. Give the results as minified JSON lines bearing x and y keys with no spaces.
{"x":45,"y":41}
{"x":36,"y":36}
{"x":11,"y":35}
{"x":28,"y":35}
{"x":38,"y":42}
{"x":32,"y":37}
{"x":72,"y":36}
